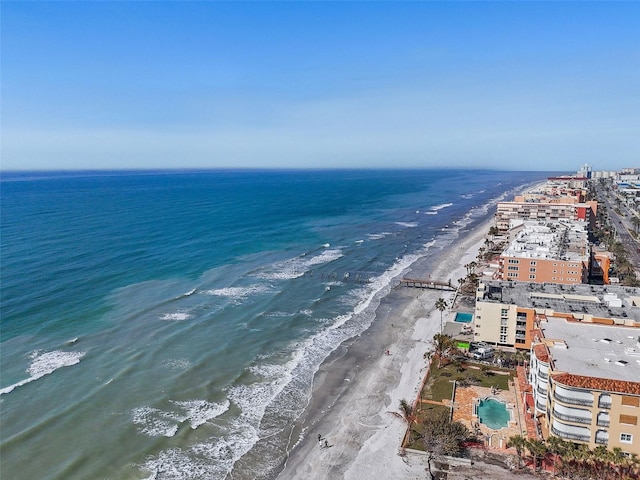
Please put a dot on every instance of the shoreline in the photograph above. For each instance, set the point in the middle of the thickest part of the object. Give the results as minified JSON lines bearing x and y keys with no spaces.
{"x":358,"y":386}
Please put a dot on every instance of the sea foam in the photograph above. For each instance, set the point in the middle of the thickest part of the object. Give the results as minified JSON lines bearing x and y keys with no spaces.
{"x":238,"y":293}
{"x":407,"y":224}
{"x":435,"y":208}
{"x":154,"y":422}
{"x":44,"y":364}
{"x":177,"y":316}
{"x":298,"y":266}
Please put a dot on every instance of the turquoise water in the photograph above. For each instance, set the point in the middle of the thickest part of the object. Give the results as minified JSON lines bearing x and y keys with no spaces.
{"x":464,"y":317}
{"x":493,"y":414}
{"x":168,"y":325}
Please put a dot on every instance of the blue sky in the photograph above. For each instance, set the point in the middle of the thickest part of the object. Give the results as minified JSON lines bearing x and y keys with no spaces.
{"x":513,"y":85}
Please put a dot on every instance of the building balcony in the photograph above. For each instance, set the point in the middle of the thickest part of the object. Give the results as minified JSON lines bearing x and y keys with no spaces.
{"x":603,"y":423}
{"x":571,"y":418}
{"x":570,"y":436}
{"x":606,"y":405}
{"x":541,"y":406}
{"x":543,"y":375}
{"x":573,"y":397}
{"x":602,"y":441}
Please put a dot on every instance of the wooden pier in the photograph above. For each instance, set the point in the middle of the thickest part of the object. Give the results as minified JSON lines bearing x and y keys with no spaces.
{"x":432,"y":284}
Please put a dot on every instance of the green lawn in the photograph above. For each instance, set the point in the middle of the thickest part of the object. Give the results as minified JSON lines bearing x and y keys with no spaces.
{"x":439,"y":384}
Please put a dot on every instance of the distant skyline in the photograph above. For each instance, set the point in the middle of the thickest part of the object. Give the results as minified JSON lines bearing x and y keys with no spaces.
{"x":152,"y":85}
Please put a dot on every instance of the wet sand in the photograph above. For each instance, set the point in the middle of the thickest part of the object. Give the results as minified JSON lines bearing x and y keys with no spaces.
{"x":359,"y":385}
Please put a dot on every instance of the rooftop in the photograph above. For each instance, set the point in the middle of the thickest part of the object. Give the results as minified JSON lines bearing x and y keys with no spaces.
{"x":564,"y":241}
{"x":580,"y":302}
{"x":591,"y":350}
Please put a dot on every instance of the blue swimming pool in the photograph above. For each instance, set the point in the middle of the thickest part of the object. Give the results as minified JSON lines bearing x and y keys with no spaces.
{"x":493,"y":414}
{"x":464,"y":317}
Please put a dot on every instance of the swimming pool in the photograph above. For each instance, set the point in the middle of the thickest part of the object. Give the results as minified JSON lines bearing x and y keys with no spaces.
{"x":493,"y":414}
{"x":464,"y":317}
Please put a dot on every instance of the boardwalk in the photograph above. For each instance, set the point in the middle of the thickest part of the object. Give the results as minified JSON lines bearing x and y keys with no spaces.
{"x":432,"y":284}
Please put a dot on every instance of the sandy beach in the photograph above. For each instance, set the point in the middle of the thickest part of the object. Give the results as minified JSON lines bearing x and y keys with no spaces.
{"x":358,"y":387}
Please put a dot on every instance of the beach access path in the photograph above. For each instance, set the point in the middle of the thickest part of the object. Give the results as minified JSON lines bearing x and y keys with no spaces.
{"x":358,"y":388}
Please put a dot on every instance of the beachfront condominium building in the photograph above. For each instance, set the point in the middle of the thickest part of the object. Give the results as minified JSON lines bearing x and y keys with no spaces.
{"x":506,"y":312}
{"x":557,"y":252}
{"x":539,"y":210}
{"x":585,"y":383}
{"x":570,"y":181}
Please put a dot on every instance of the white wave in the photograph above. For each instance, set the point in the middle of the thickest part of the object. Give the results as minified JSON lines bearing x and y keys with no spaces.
{"x":467,"y":196}
{"x":326,"y":245}
{"x":176,"y":364}
{"x":238,"y":293}
{"x":306,"y":312}
{"x":176,"y":317}
{"x":431,"y":212}
{"x":407,"y":224}
{"x":44,"y":364}
{"x":206,"y":460}
{"x":177,"y":464}
{"x":298,"y":266}
{"x":276,"y":314}
{"x":378,"y":236}
{"x":440,"y":207}
{"x":199,"y":411}
{"x":154,"y":422}
{"x":187,"y":294}
{"x":359,"y":241}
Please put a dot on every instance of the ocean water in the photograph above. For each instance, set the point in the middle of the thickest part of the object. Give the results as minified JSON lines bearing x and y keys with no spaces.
{"x":168,"y":325}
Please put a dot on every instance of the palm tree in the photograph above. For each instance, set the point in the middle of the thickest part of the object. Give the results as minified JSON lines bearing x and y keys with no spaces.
{"x":632,"y":466}
{"x":471,"y":266}
{"x":499,"y":358}
{"x":538,"y":449}
{"x":601,"y":460}
{"x":441,"y":304}
{"x":557,"y":447}
{"x":406,"y":410}
{"x":618,"y":459}
{"x":443,"y":345}
{"x":521,"y":357}
{"x":518,"y":442}
{"x":406,"y":413}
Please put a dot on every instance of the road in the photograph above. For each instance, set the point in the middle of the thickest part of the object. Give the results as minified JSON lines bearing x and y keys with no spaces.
{"x":622,"y":226}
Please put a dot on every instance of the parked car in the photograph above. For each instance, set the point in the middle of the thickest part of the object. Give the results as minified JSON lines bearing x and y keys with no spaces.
{"x":482,"y":353}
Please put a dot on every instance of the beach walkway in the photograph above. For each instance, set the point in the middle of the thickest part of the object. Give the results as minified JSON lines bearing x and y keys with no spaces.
{"x":432,"y":284}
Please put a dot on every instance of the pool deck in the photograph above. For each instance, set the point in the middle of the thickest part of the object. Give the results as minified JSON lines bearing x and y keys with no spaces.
{"x":464,"y":400}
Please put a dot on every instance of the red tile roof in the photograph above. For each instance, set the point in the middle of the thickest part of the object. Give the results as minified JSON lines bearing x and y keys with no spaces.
{"x":522,"y":379}
{"x":541,"y":352}
{"x":595,"y":383}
